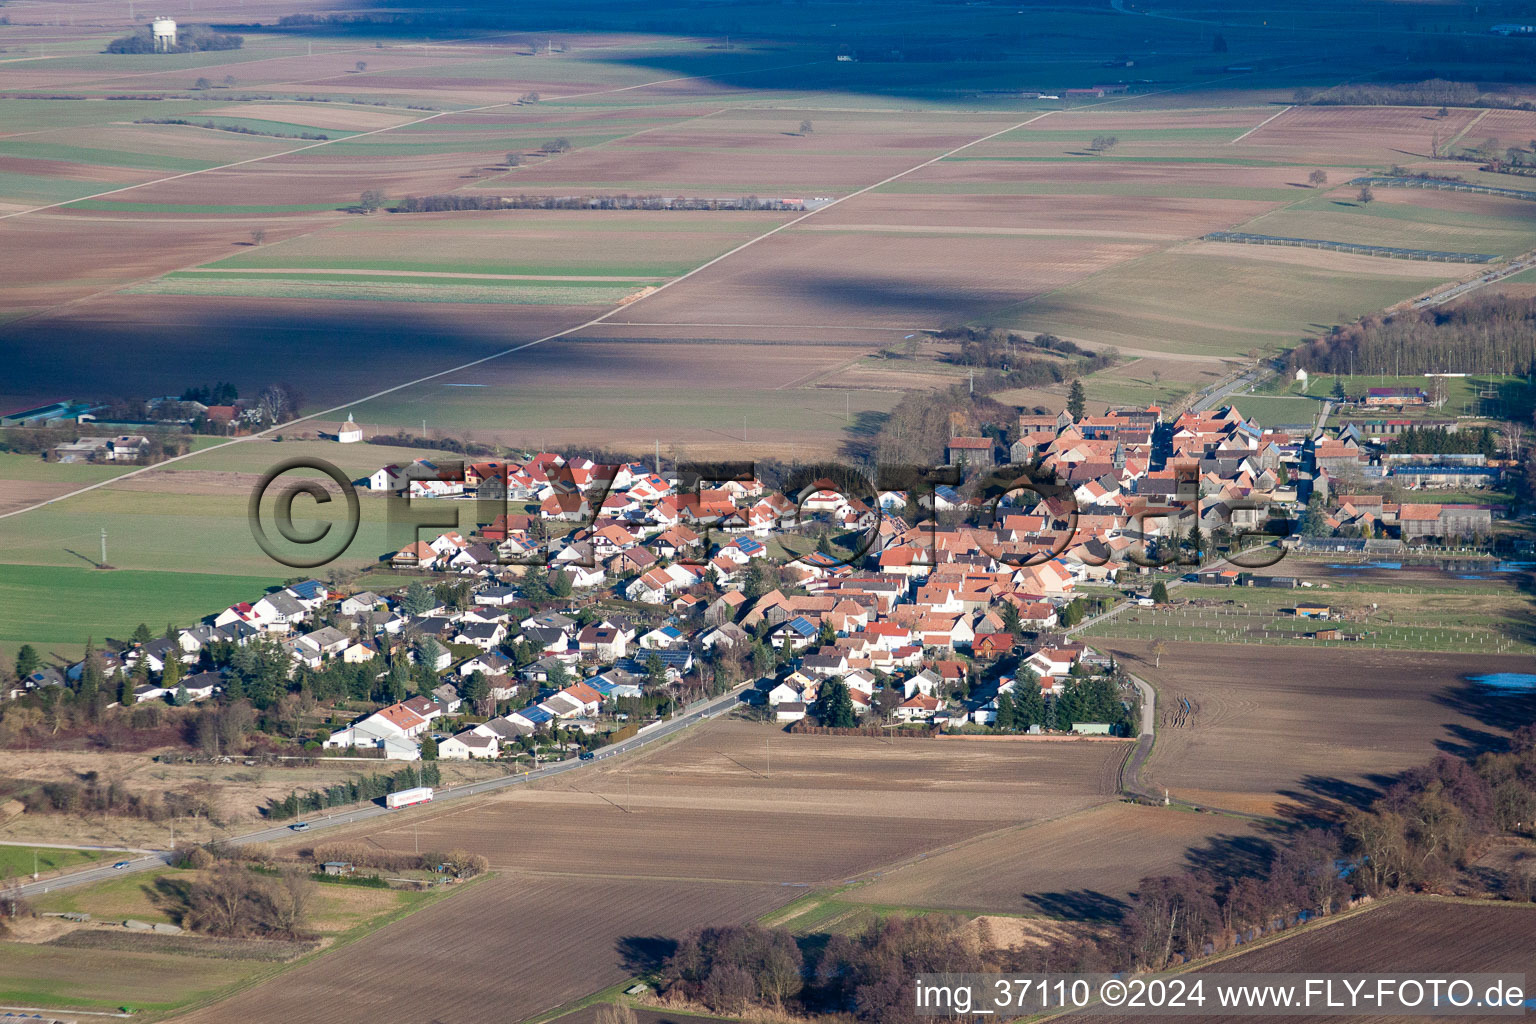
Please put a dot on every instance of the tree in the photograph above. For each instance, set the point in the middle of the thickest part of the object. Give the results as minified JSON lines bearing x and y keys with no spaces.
{"x":1219,"y":44}
{"x":806,"y":128}
{"x":1012,"y":624}
{"x":514,"y":159}
{"x":1007,"y":714}
{"x":361,"y":66}
{"x":1365,"y":196}
{"x":370,"y":200}
{"x":558,"y":675}
{"x":202,"y":84}
{"x":559,"y":584}
{"x":142,"y":635}
{"x":258,"y":236}
{"x":1077,"y":400}
{"x":27,"y":661}
{"x":229,"y":81}
{"x":1317,"y":178}
{"x":555,"y":146}
{"x":762,"y":659}
{"x":615,"y":1013}
{"x":1339,"y":394}
{"x":1160,"y":592}
{"x":655,"y":671}
{"x":417,"y":599}
{"x":1314,"y":521}
{"x":170,"y":676}
{"x":834,"y":706}
{"x":428,"y":748}
{"x":1103,"y":143}
{"x":1158,"y":650}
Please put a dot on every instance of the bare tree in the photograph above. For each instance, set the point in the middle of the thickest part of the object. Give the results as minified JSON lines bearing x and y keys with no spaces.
{"x":258,"y":236}
{"x":806,"y":127}
{"x":528,"y":97}
{"x":514,"y":159}
{"x":1365,"y":196}
{"x":1158,"y":650}
{"x":288,"y":899}
{"x":362,"y":65}
{"x":615,"y":1013}
{"x":1103,"y":143}
{"x":370,"y":200}
{"x":1317,"y":178}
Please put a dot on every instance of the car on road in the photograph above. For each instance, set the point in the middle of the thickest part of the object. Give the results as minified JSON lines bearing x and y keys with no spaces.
{"x":299,"y":826}
{"x":120,"y":865}
{"x":587,"y":755}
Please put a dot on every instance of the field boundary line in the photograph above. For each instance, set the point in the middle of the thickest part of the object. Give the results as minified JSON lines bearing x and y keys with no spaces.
{"x":1261,"y":124}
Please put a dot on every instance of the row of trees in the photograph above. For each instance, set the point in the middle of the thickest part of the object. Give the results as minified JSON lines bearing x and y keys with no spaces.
{"x":189,"y":39}
{"x":368,"y":787}
{"x":1440,"y":441}
{"x":453,"y":202}
{"x":232,"y":901}
{"x":1487,"y":334}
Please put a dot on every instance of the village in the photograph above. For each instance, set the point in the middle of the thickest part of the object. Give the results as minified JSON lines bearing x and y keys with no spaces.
{"x":617,"y":592}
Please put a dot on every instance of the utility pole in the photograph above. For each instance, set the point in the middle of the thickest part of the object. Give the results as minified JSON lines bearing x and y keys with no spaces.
{"x":34,"y":863}
{"x":103,"y":547}
{"x":768,"y":752}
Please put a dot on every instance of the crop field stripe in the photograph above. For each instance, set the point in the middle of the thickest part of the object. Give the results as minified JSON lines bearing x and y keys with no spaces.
{"x":390,"y":128}
{"x":526,"y":345}
{"x":1256,"y":127}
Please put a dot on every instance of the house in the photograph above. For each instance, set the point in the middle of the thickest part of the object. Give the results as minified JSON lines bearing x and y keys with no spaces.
{"x":1054,"y":662}
{"x":427,"y":708}
{"x":925,"y":683}
{"x":471,"y":743}
{"x":789,"y":711}
{"x":602,"y":642}
{"x":485,"y":635}
{"x":359,"y":603}
{"x":992,"y":645}
{"x":919,"y":707}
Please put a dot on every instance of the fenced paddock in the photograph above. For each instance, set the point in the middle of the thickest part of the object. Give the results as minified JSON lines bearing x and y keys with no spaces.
{"x":1440,"y":185}
{"x":1390,"y":252}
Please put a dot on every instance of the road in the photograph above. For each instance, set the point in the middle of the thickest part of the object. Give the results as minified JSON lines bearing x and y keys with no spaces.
{"x":698,"y":712}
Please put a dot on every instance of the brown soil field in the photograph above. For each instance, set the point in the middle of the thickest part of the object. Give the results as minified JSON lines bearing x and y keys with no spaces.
{"x":753,"y":803}
{"x":1076,"y":173}
{"x":529,"y":942}
{"x":20,"y":493}
{"x":1084,"y":864}
{"x":347,"y":349}
{"x":814,"y":277}
{"x":1405,"y":935}
{"x":1153,"y":218}
{"x":1109,"y":119}
{"x":1357,"y":134}
{"x":1300,"y":728}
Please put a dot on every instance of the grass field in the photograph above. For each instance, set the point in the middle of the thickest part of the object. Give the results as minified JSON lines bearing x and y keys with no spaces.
{"x":118,"y":600}
{"x":16,"y":861}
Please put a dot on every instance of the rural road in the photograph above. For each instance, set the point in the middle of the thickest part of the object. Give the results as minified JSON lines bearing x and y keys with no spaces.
{"x":695,"y":713}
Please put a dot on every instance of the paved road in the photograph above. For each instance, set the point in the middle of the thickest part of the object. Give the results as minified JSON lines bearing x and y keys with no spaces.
{"x":695,"y":713}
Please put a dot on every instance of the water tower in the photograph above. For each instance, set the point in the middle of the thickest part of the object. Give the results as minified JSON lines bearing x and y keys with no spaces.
{"x":163,"y":32}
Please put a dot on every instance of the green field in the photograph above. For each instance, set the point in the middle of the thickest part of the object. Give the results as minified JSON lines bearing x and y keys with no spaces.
{"x":18,"y":861}
{"x":57,"y":607}
{"x":1186,"y":302}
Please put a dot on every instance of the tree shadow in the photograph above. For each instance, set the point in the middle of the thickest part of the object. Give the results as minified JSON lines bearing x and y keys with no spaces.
{"x":1323,"y":800}
{"x":1495,"y":707}
{"x":170,"y":896}
{"x":641,"y":954}
{"x":1080,"y":905}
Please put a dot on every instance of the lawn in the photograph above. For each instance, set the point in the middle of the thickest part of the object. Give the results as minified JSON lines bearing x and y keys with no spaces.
{"x":1275,"y":411}
{"x":16,"y":861}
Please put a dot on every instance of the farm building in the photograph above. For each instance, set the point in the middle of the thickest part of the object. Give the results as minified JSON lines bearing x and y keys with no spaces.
{"x":1417,"y":522}
{"x":973,"y":451}
{"x":1308,"y":610}
{"x":1398,"y":397}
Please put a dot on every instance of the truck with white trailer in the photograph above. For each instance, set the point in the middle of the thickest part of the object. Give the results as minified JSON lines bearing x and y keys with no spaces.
{"x":408,"y":797}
